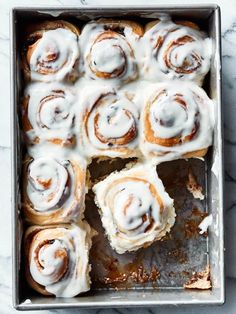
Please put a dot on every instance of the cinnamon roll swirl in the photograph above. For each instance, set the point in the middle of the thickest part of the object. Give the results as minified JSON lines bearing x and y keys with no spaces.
{"x":134,"y":208}
{"x":53,"y":190}
{"x":109,"y":125}
{"x":48,"y":114}
{"x":177,"y":122}
{"x":108,"y":51}
{"x":176,"y":50}
{"x":57,"y":259}
{"x":51,"y":52}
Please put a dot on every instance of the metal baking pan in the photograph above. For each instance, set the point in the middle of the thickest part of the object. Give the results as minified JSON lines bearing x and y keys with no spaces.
{"x":168,"y":290}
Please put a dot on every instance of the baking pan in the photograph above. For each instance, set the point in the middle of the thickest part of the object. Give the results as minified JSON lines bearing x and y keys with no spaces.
{"x":196,"y":253}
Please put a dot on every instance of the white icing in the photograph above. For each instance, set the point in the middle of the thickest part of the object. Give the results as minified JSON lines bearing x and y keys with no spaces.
{"x":27,"y":301}
{"x":86,"y":91}
{"x":204,"y":225}
{"x":51,"y":111}
{"x":74,"y":243}
{"x":141,"y":201}
{"x":117,"y":115}
{"x":130,"y":212}
{"x":194,"y":55}
{"x":59,"y":42}
{"x":170,"y":118}
{"x":51,"y":185}
{"x":109,"y":54}
{"x":46,"y":171}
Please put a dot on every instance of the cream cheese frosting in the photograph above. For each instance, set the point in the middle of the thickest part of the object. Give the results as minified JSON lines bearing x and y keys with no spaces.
{"x":55,"y":55}
{"x":59,"y":259}
{"x":135,"y":209}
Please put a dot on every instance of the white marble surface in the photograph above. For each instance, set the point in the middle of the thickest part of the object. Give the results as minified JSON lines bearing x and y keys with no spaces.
{"x":228,"y":8}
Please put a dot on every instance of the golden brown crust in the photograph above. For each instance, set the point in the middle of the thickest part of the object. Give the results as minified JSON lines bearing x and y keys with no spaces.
{"x":151,"y":25}
{"x":197,"y":153}
{"x":30,"y":234}
{"x":50,"y":25}
{"x":119,"y":25}
{"x":178,"y":22}
{"x":188,"y":24}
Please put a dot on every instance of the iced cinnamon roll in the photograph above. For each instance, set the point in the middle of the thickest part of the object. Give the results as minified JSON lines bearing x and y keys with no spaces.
{"x":51,"y":52}
{"x":134,"y":208}
{"x":57,"y":259}
{"x":176,"y":50}
{"x":48,"y":114}
{"x":107,"y":49}
{"x":109,"y":124}
{"x":53,"y":190}
{"x":177,"y":122}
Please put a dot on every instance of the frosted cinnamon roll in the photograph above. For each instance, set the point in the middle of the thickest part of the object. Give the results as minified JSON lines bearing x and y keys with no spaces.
{"x":108,"y":53}
{"x":109,"y":124}
{"x":177,"y":122}
{"x":51,"y":52}
{"x":176,"y":50}
{"x":134,"y":208}
{"x":48,"y":114}
{"x":53,"y":190}
{"x":57,"y":259}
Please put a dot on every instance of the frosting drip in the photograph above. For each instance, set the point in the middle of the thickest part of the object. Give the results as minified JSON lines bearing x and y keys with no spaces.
{"x":49,"y":113}
{"x":58,"y":259}
{"x":48,"y":183}
{"x":177,"y":119}
{"x":54,"y":55}
{"x":110,"y":122}
{"x":176,"y":51}
{"x":108,"y":54}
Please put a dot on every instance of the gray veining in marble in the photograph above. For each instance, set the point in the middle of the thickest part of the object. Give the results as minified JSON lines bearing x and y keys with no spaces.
{"x":228,"y":8}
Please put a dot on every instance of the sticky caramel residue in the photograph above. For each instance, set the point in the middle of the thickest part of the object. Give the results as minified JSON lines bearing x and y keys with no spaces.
{"x":123,"y":276}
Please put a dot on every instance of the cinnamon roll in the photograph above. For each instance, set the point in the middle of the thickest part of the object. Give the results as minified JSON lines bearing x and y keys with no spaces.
{"x":53,"y":190}
{"x":108,"y":52}
{"x":134,"y":208}
{"x":177,"y":122}
{"x":48,"y":114}
{"x":57,"y":259}
{"x":51,"y":52}
{"x":176,"y":50}
{"x":109,"y":124}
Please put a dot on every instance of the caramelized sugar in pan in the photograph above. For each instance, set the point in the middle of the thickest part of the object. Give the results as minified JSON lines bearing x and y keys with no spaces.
{"x":167,"y":263}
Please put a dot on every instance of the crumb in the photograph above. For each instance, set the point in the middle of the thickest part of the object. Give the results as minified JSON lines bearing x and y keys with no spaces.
{"x":193,"y":187}
{"x":205,"y":223}
{"x":200,"y":280}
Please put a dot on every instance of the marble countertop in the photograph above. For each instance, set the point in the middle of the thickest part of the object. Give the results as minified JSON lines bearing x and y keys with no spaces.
{"x":228,"y":10}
